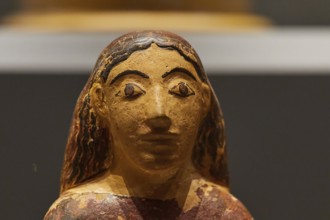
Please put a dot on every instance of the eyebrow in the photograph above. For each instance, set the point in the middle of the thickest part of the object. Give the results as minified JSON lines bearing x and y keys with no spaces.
{"x":181,"y":70}
{"x":126,"y":72}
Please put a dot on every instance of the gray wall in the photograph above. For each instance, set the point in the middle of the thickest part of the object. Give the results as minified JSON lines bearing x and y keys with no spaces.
{"x":277,"y":127}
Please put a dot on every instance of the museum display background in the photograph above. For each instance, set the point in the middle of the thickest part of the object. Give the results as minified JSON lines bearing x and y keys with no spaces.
{"x":282,"y":12}
{"x":278,"y":129}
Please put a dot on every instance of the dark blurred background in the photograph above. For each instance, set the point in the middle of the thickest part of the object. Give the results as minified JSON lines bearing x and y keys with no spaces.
{"x":277,"y":122}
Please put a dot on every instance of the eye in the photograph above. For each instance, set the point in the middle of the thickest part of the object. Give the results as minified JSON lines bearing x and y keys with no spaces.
{"x":133,"y":91}
{"x":182,"y":90}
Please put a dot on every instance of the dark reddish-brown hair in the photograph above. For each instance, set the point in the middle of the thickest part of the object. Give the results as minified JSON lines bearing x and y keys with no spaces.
{"x":88,"y":150}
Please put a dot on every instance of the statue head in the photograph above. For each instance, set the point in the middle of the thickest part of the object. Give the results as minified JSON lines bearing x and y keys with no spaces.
{"x":148,"y":104}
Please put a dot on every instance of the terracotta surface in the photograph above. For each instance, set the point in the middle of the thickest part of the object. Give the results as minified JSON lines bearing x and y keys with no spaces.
{"x":213,"y":204}
{"x":147,"y":138}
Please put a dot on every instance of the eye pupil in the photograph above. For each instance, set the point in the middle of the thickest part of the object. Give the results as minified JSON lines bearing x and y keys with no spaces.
{"x":183,"y":89}
{"x":129,"y":90}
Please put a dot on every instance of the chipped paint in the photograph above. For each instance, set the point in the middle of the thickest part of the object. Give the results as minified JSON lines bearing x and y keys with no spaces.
{"x":211,"y":203}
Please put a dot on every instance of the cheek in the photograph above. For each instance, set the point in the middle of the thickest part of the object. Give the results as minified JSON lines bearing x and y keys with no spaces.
{"x":125,"y":118}
{"x":186,"y":115}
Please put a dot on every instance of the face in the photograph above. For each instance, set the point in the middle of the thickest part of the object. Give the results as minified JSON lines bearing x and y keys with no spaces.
{"x":153,"y":103}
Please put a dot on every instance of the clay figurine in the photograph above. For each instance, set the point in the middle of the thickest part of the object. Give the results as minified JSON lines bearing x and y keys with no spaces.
{"x":147,"y":138}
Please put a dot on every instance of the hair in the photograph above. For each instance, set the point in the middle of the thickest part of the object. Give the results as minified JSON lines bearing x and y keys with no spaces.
{"x":88,"y":150}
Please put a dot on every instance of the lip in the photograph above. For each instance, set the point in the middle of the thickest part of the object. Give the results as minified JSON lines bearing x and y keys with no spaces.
{"x":160,"y":137}
{"x":160,"y":143}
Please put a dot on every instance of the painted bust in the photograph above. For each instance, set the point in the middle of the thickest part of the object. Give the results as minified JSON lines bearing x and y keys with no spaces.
{"x":147,"y":138}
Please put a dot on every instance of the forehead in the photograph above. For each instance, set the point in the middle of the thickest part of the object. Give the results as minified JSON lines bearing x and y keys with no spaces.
{"x":153,"y":61}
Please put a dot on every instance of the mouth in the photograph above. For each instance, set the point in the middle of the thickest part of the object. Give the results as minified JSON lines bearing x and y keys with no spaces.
{"x":160,"y":137}
{"x":160,"y":143}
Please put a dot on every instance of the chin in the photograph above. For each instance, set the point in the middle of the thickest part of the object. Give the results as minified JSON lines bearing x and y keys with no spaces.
{"x":161,"y":176}
{"x":160,"y":166}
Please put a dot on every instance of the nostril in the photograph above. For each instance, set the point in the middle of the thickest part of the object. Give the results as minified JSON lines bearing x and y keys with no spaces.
{"x":161,"y":123}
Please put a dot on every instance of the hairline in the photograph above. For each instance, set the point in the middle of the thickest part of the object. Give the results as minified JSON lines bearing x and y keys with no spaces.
{"x":108,"y":68}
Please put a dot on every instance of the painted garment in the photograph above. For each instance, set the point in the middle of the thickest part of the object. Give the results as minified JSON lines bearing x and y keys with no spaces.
{"x":90,"y":206}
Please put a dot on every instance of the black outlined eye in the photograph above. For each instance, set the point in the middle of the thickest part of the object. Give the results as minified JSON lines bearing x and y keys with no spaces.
{"x":133,"y":91}
{"x":182,"y":90}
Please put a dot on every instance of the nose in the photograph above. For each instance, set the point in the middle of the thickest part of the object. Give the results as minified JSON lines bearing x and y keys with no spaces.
{"x":159,"y":123}
{"x":156,"y":112}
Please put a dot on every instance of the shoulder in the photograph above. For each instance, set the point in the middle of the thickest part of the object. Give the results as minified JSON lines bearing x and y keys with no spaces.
{"x":88,"y":199}
{"x":62,"y":207}
{"x":82,"y":206}
{"x":216,"y":201}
